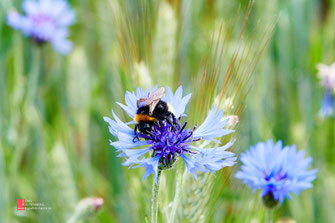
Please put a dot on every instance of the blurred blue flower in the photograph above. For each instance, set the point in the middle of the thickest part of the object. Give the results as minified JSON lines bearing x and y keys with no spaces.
{"x":326,"y":75}
{"x":166,"y":142}
{"x":277,"y":171}
{"x":327,"y":106}
{"x":45,"y":21}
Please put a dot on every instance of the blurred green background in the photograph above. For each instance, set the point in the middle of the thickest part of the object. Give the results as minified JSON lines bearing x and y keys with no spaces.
{"x":54,"y":144}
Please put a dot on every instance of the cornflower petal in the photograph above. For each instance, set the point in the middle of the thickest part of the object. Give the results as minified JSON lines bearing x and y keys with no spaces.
{"x":214,"y":151}
{"x":60,"y":43}
{"x":118,"y":126}
{"x":215,"y":159}
{"x":192,"y":165}
{"x":68,"y":18}
{"x":327,"y":75}
{"x":19,"y":22}
{"x":131,"y":101}
{"x":30,"y":7}
{"x":151,"y":165}
{"x":213,"y":126}
{"x":136,"y":153}
{"x":126,"y":142}
{"x":177,"y":101}
{"x":327,"y":106}
{"x":126,"y":139}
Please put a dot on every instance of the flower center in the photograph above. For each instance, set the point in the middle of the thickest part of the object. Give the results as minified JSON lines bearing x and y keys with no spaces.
{"x":42,"y":28}
{"x":169,"y":141}
{"x":280,"y":175}
{"x":41,"y":19}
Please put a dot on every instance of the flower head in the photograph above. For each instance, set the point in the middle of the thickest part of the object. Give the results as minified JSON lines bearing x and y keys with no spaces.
{"x":45,"y":21}
{"x":327,"y":106}
{"x":86,"y":207}
{"x":276,"y":170}
{"x":327,"y":75}
{"x":168,"y":141}
{"x":327,"y":78}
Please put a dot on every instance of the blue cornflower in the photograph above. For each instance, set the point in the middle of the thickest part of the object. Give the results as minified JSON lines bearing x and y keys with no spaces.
{"x":168,"y":141}
{"x":327,"y":80}
{"x":45,"y":21}
{"x":327,"y":106}
{"x":277,"y":171}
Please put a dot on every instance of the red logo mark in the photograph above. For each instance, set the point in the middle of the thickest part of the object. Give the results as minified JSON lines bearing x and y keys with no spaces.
{"x":20,"y":204}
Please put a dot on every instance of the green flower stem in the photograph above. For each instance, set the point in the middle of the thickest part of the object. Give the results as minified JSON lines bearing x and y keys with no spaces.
{"x":179,"y":186}
{"x":154,"y":200}
{"x":269,"y":215}
{"x":31,"y":89}
{"x":34,"y":75}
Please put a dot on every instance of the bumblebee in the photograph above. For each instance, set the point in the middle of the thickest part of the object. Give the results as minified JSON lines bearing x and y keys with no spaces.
{"x":150,"y":110}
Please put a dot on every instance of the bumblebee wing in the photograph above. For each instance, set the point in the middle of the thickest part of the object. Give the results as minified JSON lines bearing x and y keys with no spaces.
{"x":154,"y":98}
{"x":152,"y":106}
{"x":156,"y":95}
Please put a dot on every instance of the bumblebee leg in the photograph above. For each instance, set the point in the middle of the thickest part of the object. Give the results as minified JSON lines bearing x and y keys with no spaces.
{"x":171,"y":115}
{"x":136,"y":138}
{"x":136,"y":134}
{"x":170,"y":123}
{"x":173,"y":118}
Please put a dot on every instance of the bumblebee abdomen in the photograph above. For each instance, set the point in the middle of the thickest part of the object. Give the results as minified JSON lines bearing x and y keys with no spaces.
{"x":144,"y":118}
{"x":170,"y":109}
